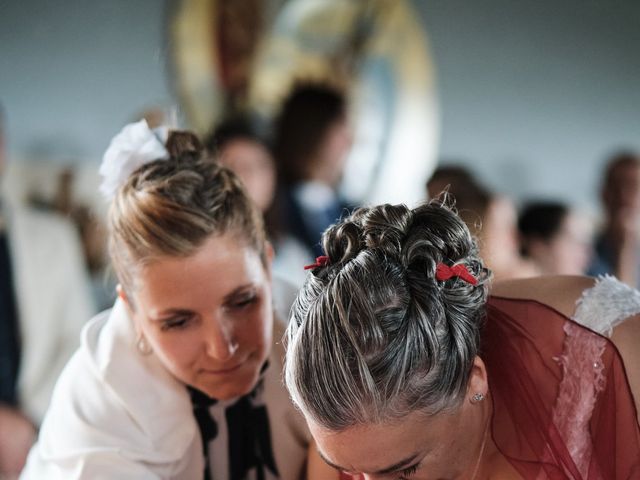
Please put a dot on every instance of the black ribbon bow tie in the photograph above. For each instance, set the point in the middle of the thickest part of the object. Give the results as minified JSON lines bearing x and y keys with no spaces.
{"x":206,"y":424}
{"x":248,"y":429}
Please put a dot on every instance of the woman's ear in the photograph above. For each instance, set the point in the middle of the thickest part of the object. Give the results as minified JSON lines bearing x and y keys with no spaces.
{"x":122,"y":295}
{"x":478,"y":380}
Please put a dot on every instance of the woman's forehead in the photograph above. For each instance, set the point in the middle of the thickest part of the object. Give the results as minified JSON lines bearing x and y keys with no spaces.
{"x":376,"y":448}
{"x":218,"y":268}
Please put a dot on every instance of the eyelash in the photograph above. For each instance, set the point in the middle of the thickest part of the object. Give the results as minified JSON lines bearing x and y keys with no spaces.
{"x":245,"y":302}
{"x":407,"y":472}
{"x":175,"y":323}
{"x":181,"y":322}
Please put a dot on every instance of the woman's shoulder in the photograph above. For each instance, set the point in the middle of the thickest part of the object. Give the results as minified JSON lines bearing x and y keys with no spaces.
{"x":560,"y":292}
{"x":601,"y":304}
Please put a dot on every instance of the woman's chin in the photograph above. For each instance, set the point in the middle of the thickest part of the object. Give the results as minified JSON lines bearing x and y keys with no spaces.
{"x":228,"y":388}
{"x":224,"y":394}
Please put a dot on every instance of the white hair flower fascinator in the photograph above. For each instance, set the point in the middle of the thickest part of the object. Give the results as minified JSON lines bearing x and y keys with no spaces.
{"x":134,"y":146}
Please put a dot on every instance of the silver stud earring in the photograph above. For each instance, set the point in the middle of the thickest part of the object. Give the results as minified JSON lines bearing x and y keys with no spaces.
{"x":477,"y":398}
{"x":143,"y":346}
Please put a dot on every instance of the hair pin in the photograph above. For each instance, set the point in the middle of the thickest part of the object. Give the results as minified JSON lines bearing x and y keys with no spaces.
{"x":444,"y":272}
{"x":321,"y":261}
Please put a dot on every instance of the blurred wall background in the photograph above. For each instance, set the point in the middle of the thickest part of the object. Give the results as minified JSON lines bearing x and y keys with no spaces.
{"x":73,"y":72}
{"x":533,"y":95}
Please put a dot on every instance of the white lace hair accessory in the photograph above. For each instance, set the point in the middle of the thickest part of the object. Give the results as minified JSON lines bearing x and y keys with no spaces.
{"x":133,"y":147}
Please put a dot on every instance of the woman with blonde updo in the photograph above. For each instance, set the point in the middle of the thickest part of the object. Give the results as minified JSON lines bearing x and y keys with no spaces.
{"x":181,"y":379}
{"x":405,"y":367}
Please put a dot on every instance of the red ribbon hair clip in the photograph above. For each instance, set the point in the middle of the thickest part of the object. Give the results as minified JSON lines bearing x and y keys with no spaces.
{"x":444,"y":272}
{"x":321,"y":261}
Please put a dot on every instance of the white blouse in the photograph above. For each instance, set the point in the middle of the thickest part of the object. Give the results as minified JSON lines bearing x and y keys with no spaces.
{"x":118,"y":414}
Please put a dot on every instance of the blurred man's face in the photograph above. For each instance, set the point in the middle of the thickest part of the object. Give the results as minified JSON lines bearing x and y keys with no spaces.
{"x":622,"y":194}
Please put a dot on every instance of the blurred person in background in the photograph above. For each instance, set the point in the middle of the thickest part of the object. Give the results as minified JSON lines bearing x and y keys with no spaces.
{"x":447,"y":176}
{"x":312,"y":138}
{"x":238,"y":144}
{"x":91,"y":230}
{"x":555,"y":238}
{"x":616,"y":247}
{"x":491,"y":218}
{"x":45,"y":301}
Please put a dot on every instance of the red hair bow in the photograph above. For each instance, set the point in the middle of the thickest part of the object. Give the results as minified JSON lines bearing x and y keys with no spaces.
{"x":321,"y":261}
{"x":444,"y":272}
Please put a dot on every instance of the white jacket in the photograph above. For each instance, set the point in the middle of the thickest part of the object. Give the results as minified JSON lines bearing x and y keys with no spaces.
{"x":53,"y":299}
{"x":118,"y":414}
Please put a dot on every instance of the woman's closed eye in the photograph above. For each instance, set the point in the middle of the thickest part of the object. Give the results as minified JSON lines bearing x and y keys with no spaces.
{"x":408,"y":472}
{"x":241,"y":302}
{"x":177,"y":322}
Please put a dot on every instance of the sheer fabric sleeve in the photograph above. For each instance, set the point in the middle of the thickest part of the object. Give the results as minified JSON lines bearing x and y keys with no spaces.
{"x":562,"y":404}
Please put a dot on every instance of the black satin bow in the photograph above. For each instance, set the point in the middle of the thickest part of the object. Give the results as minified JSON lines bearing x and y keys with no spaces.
{"x":206,"y":424}
{"x":248,"y":429}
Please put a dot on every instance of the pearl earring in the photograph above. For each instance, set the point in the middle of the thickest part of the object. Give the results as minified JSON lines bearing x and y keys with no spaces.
{"x":143,"y":346}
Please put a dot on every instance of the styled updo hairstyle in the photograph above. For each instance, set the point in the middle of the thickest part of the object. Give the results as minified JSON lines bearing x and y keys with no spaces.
{"x":373,"y":335}
{"x":170,"y":207}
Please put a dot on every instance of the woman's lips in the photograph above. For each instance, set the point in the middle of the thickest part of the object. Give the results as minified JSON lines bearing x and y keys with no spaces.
{"x":223,"y":371}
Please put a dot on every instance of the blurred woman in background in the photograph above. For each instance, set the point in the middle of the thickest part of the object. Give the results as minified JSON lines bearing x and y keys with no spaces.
{"x":555,"y":238}
{"x":312,"y":138}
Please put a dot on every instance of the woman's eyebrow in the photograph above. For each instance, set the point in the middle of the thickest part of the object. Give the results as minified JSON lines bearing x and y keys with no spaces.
{"x":168,"y":312}
{"x":402,"y":464}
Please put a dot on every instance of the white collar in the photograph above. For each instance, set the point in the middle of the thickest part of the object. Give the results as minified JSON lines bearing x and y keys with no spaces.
{"x":157,"y":402}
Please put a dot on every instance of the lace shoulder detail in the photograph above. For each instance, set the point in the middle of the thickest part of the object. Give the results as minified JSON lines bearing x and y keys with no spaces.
{"x":606,"y":304}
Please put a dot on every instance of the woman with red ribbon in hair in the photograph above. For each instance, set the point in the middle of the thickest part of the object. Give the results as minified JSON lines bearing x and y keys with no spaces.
{"x":407,"y":365}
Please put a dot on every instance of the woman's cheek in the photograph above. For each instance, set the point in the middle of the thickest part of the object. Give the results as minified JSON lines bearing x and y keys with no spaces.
{"x":181,"y":348}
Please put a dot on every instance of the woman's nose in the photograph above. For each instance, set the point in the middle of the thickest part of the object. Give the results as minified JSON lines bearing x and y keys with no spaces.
{"x":353,"y":476}
{"x":221,"y":343}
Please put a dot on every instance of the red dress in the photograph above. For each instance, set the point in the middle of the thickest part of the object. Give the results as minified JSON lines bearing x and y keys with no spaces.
{"x":562,"y":402}
{"x":563,"y":409}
